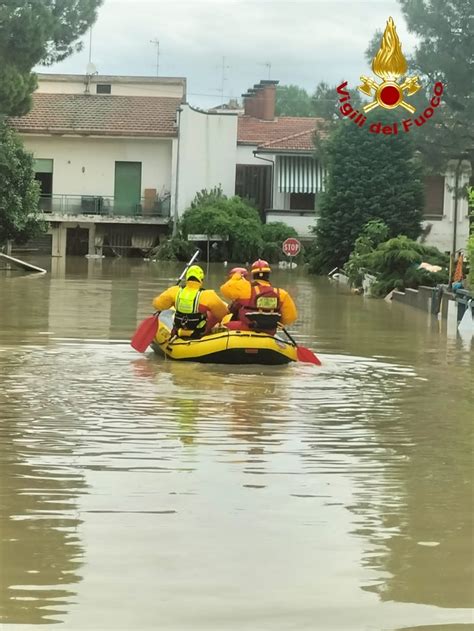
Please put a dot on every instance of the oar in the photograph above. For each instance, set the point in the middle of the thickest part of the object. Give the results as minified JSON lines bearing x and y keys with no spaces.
{"x":146,"y":331}
{"x":303,"y":353}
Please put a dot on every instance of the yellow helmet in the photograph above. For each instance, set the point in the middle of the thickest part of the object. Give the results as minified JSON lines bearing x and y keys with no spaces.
{"x":195,"y":272}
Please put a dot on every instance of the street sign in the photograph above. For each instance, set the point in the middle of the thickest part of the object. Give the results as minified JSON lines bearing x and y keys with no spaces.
{"x":291,"y":247}
{"x":197,"y":237}
{"x":207,"y":237}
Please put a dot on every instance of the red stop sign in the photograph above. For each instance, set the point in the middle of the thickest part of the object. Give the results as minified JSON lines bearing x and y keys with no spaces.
{"x":291,"y":247}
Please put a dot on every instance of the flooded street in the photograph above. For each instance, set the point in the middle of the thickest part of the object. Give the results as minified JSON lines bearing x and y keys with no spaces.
{"x":138,"y":493}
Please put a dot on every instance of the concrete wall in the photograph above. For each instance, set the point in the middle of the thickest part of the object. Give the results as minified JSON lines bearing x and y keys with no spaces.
{"x":86,"y":166}
{"x":441,"y":230}
{"x":207,"y":154}
{"x":120,"y":86}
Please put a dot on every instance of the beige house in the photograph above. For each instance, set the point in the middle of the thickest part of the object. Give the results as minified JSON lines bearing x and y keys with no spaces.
{"x":104,"y":150}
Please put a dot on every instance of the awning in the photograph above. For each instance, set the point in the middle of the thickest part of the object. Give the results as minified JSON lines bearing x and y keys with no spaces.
{"x":300,"y":174}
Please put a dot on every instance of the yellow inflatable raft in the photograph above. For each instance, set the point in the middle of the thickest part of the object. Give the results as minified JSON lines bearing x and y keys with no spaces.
{"x":223,"y":347}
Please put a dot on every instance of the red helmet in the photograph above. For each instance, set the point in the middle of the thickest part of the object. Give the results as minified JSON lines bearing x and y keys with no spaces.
{"x":238,"y":270}
{"x":260,"y":266}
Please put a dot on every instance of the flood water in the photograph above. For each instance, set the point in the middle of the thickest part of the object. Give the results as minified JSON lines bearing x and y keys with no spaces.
{"x":142,"y":494}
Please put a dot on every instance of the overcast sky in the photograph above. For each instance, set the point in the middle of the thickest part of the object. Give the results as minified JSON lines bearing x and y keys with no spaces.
{"x":306,"y":41}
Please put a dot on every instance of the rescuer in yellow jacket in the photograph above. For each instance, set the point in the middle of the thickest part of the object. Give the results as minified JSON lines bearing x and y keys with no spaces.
{"x":197,"y":309}
{"x":256,"y":301}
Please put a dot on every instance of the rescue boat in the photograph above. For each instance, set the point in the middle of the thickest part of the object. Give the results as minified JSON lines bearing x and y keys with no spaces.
{"x":223,"y":346}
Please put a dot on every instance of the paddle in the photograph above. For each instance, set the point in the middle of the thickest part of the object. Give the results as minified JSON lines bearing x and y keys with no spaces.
{"x":303,"y":353}
{"x":146,"y":331}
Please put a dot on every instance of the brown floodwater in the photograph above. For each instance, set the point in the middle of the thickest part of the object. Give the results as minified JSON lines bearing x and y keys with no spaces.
{"x":142,"y":494}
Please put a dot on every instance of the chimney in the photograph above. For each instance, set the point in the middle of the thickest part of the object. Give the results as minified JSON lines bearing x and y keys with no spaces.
{"x":250,"y":108}
{"x":259,"y":101}
{"x":268,"y":92}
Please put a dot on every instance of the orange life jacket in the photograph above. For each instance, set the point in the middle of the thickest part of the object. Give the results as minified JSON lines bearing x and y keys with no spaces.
{"x":261,"y":312}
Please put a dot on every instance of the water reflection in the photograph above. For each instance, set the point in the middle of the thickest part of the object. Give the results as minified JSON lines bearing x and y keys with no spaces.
{"x":41,"y":551}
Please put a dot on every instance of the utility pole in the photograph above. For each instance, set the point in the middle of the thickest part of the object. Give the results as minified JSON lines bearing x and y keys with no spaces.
{"x":156,"y":43}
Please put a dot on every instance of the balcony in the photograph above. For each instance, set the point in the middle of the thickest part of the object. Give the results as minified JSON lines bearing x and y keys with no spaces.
{"x":103,"y":206}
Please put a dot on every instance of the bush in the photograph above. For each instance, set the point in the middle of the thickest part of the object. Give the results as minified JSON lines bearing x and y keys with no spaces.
{"x":395,"y":263}
{"x":211,"y":212}
{"x":174,"y":249}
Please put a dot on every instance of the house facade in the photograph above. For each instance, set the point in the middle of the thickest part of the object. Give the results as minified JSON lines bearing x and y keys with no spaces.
{"x":105,"y":152}
{"x":276,"y":163}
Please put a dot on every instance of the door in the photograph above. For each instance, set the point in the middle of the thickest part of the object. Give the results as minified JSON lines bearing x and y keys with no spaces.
{"x":128,"y":186}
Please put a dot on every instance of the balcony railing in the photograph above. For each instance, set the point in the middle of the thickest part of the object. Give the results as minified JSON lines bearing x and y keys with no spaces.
{"x":103,"y":205}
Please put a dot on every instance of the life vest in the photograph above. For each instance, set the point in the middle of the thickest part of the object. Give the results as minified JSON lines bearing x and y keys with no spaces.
{"x":261,"y":312}
{"x":190,"y":318}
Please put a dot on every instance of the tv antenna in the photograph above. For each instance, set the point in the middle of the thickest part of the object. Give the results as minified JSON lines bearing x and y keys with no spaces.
{"x":224,"y":77}
{"x":156,"y":43}
{"x":268,"y":66}
{"x":91,"y":70}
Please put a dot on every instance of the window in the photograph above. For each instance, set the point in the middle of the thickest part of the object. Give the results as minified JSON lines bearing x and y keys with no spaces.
{"x":434,"y":196}
{"x":302,"y":201}
{"x":104,"y":88}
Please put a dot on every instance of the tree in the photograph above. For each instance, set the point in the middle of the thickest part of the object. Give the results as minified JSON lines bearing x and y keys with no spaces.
{"x":19,"y":191}
{"x":369,"y":177}
{"x":37,"y":32}
{"x":292,"y":100}
{"x":31,"y":32}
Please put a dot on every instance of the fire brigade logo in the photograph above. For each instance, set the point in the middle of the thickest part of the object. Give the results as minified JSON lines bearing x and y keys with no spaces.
{"x":389,"y":64}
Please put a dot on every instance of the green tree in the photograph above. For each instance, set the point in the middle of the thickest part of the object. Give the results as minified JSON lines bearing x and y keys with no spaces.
{"x":37,"y":32}
{"x":369,"y":177}
{"x":19,"y":191}
{"x":31,"y":32}
{"x":292,"y":100}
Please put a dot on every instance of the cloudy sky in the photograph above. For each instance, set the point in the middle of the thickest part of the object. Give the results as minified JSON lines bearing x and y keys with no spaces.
{"x":305,"y":41}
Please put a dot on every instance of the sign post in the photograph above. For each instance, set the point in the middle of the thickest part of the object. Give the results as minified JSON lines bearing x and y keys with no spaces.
{"x":207,"y":238}
{"x":291,"y":248}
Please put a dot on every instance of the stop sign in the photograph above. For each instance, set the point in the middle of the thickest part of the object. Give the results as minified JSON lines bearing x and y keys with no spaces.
{"x":291,"y":247}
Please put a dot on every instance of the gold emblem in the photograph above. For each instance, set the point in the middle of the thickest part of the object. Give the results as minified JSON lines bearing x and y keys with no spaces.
{"x":389,"y":64}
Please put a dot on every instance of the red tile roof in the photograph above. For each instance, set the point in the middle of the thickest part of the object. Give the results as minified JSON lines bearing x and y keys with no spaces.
{"x":103,"y":115}
{"x":287,"y":133}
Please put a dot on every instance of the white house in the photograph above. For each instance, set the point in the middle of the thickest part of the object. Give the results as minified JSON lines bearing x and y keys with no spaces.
{"x":276,"y":163}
